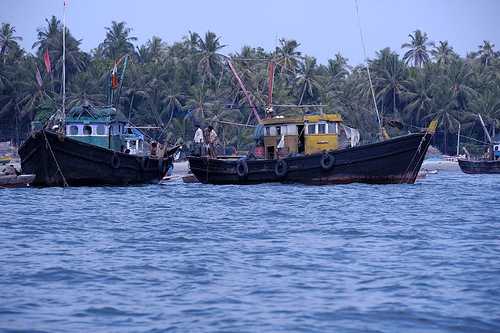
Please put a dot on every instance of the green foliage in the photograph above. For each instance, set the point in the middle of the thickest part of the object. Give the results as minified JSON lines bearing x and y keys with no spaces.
{"x":175,"y":86}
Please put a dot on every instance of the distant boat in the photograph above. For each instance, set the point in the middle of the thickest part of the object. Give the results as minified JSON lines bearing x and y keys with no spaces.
{"x":488,"y":165}
{"x":11,"y":181}
{"x":479,"y":166}
{"x":98,"y":148}
{"x":311,"y":153}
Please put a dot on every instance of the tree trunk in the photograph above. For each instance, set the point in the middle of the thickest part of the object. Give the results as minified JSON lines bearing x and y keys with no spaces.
{"x":302,"y":96}
{"x":445,"y":150}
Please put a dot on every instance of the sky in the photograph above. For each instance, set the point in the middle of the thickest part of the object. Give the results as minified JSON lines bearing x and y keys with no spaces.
{"x":322,"y":27}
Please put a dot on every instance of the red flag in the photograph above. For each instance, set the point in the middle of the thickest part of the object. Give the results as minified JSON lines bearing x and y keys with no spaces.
{"x":114,"y":77}
{"x":46,"y":60}
{"x":38,"y":77}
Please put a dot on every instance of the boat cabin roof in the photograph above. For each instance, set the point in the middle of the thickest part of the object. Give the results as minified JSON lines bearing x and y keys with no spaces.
{"x":313,"y":118}
{"x":91,"y":114}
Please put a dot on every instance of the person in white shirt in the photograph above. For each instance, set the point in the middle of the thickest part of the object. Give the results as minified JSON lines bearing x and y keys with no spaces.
{"x":198,"y":135}
{"x":198,"y":141}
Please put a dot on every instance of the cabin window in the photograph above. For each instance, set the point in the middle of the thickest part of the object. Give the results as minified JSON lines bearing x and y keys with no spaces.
{"x":332,"y":128}
{"x":268,"y":131}
{"x":291,"y":130}
{"x":278,"y":130}
{"x":311,"y":129}
{"x":73,"y":130}
{"x":115,"y":130}
{"x":321,"y":128}
{"x":87,"y":130}
{"x":101,"y":130}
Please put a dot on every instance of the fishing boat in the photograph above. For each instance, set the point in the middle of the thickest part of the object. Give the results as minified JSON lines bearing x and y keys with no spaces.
{"x":490,"y":163}
{"x":97,"y":147}
{"x":317,"y":150}
{"x":92,"y":145}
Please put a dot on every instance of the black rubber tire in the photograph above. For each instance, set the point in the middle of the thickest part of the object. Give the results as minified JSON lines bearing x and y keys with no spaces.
{"x":242,"y":168}
{"x":115,"y":161}
{"x":281,"y":168}
{"x":327,"y":161}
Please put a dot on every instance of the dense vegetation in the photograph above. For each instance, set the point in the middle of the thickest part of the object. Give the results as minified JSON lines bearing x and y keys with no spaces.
{"x":174,"y":86}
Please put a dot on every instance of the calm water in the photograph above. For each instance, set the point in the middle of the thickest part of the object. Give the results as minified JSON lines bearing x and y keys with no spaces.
{"x":270,"y":258}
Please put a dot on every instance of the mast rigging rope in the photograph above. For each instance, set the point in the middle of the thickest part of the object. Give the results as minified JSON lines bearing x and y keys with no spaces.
{"x":367,"y":66}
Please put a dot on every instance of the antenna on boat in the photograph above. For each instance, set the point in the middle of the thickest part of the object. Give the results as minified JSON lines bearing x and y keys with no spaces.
{"x":368,"y":69}
{"x":270,"y":84}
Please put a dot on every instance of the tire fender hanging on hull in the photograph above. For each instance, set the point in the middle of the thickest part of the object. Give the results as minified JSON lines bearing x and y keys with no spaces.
{"x":327,"y":161}
{"x":281,"y":168}
{"x":242,"y":168}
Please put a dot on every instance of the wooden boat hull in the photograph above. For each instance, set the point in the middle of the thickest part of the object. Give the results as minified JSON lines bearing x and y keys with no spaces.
{"x":51,"y":156}
{"x":13,"y":181}
{"x":393,"y":161}
{"x":480,"y":166}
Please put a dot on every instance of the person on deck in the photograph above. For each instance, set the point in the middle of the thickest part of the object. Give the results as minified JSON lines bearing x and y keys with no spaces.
{"x":198,"y":141}
{"x":212,"y":141}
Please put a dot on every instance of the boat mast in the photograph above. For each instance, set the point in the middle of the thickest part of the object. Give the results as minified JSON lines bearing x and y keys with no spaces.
{"x":245,"y":91}
{"x":63,"y":115}
{"x":368,"y":71}
{"x":458,"y":139}
{"x":490,"y":140}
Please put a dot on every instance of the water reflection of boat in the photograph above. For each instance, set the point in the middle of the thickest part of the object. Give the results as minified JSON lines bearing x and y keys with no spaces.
{"x":308,"y":150}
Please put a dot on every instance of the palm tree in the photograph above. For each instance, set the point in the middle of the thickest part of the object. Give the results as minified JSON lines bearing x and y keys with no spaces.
{"x":486,"y":53}
{"x":210,"y":63}
{"x":417,"y":96}
{"x":7,"y":40}
{"x":118,"y":41}
{"x":488,"y":105}
{"x":307,"y":80}
{"x":48,"y":36}
{"x":417,"y":49}
{"x":448,"y":116}
{"x":443,"y":54}
{"x":337,"y":68}
{"x":286,"y":55}
{"x":459,"y":80}
{"x":173,"y":103}
{"x":389,"y":77}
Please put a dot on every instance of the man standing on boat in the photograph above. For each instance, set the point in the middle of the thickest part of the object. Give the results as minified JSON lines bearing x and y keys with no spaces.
{"x":198,"y":141}
{"x":212,"y":141}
